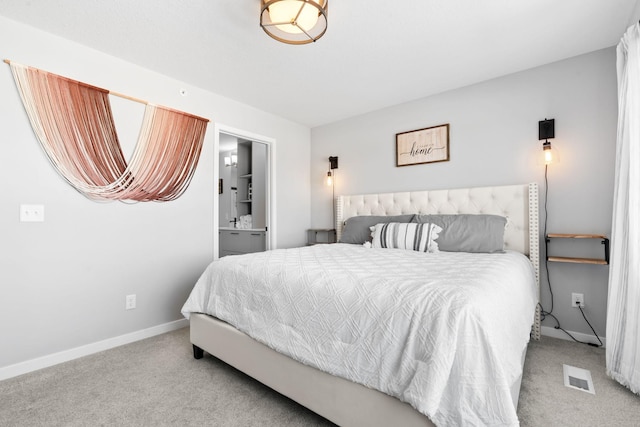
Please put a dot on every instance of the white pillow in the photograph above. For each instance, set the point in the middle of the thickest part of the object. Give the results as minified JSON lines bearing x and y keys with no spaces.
{"x":412,"y":236}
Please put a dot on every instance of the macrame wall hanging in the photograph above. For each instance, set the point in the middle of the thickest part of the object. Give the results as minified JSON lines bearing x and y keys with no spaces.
{"x":74,"y":125}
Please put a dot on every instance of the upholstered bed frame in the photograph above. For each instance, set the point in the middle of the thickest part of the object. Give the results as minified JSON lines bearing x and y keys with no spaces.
{"x":341,"y":401}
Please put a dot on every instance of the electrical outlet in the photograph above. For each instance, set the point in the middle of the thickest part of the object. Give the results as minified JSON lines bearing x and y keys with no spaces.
{"x":130,"y":302}
{"x":577,"y":300}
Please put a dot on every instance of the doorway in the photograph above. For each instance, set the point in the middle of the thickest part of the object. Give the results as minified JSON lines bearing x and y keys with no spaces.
{"x":244,"y":219}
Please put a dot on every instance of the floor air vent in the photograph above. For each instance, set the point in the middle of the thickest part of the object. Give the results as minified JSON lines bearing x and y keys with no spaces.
{"x":577,"y":378}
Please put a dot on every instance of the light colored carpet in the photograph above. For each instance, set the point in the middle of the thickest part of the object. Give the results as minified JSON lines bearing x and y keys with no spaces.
{"x":154,"y":382}
{"x":545,"y":401}
{"x":158,"y":382}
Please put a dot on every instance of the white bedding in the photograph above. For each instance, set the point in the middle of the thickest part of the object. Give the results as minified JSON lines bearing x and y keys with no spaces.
{"x":443,"y":331}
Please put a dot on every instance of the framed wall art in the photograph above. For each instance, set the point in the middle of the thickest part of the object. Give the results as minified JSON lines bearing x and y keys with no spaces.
{"x":420,"y":146}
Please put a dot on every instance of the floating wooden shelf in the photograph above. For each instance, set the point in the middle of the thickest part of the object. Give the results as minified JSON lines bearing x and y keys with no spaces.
{"x":576,"y":236}
{"x":577,"y":260}
{"x":596,"y":261}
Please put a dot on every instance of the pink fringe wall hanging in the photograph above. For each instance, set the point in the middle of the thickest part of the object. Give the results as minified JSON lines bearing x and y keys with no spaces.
{"x":74,"y":125}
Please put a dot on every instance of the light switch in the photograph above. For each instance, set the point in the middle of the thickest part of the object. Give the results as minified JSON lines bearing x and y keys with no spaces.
{"x":31,"y":213}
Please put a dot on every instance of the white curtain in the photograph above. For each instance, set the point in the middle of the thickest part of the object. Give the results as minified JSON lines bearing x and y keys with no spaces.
{"x":623,"y":311}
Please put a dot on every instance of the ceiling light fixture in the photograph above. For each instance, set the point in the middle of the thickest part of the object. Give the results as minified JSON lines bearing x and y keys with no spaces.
{"x":294,"y":21}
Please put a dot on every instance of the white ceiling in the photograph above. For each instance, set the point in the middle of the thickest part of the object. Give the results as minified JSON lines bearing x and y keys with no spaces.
{"x":375,"y":53}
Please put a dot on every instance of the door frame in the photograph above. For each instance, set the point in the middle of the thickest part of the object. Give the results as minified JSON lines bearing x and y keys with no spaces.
{"x":271,"y":234}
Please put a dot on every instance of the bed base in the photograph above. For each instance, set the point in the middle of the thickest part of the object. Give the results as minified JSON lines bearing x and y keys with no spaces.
{"x":336,"y":399}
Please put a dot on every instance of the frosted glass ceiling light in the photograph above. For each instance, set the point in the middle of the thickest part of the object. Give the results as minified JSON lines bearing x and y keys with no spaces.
{"x":294,"y":21}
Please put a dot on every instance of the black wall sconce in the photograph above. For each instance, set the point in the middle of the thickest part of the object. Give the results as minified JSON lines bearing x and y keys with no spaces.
{"x":333,"y":164}
{"x":546,"y":131}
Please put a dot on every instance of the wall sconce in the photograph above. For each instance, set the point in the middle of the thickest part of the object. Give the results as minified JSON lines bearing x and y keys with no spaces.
{"x":546,"y":130}
{"x":294,"y":21}
{"x":333,"y":164}
{"x":231,"y":160}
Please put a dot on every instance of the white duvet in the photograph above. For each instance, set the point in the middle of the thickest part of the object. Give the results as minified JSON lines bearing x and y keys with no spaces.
{"x":444,"y":332}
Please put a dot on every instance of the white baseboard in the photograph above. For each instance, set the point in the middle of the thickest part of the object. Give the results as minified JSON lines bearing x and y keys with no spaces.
{"x":85,"y":350}
{"x":557,"y":333}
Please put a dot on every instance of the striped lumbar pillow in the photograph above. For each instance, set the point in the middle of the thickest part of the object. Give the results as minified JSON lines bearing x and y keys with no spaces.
{"x":412,"y":236}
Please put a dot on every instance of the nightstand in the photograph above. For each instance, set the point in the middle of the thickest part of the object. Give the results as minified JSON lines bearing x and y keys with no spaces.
{"x":321,"y":235}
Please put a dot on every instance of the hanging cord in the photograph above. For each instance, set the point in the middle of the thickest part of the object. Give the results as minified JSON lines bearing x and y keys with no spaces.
{"x":593,"y":330}
{"x":546,"y":215}
{"x":543,"y":312}
{"x":333,"y":197}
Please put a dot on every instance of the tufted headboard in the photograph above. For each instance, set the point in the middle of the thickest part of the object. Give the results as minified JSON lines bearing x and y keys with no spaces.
{"x":518,"y":203}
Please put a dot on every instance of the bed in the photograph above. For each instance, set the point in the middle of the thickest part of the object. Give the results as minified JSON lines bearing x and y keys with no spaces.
{"x":467,"y":377}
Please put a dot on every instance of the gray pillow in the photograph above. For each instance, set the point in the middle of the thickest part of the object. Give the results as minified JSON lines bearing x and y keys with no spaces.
{"x":356,"y":229}
{"x":468,"y":233}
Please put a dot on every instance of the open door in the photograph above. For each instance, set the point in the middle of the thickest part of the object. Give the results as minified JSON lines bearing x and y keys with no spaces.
{"x":244,"y":209}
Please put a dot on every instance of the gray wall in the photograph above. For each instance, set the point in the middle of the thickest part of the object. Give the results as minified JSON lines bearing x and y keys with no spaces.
{"x":63,"y":282}
{"x":494,"y":141}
